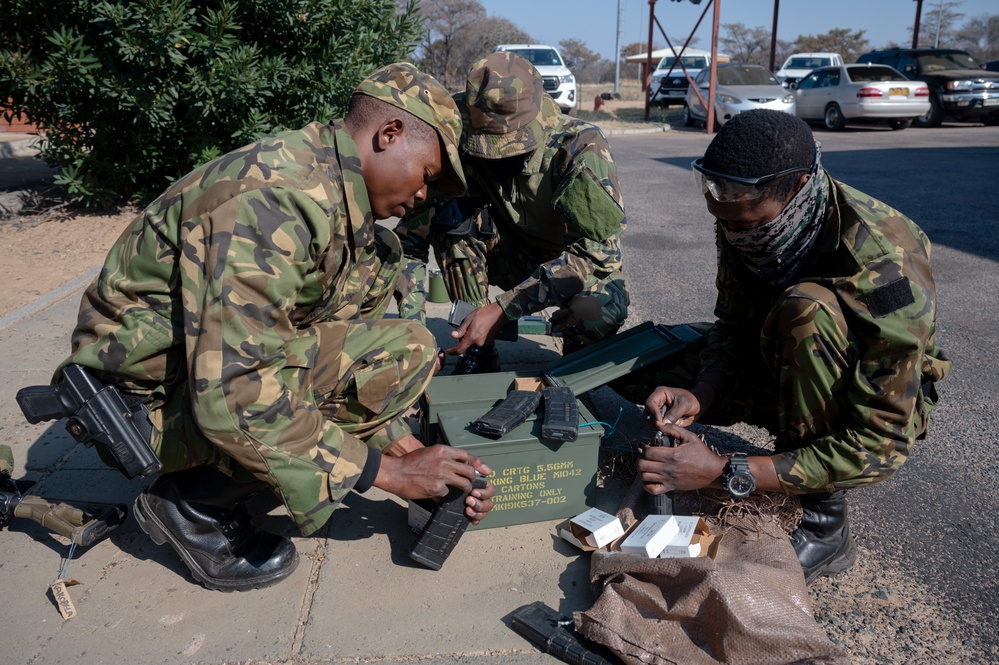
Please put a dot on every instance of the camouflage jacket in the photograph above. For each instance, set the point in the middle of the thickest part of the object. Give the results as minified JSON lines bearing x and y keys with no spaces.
{"x":565,"y":205}
{"x":206,"y":308}
{"x":864,"y":246}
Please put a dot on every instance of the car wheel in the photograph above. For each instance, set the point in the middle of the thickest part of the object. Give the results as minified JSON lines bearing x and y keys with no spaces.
{"x":688,"y":120}
{"x":991,"y":120}
{"x":900,"y":123}
{"x":833,"y":118}
{"x":931,"y":118}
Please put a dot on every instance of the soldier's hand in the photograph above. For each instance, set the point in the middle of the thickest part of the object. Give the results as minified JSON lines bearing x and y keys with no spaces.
{"x":479,"y":328}
{"x":677,"y":406}
{"x":427,"y":472}
{"x":689,"y":465}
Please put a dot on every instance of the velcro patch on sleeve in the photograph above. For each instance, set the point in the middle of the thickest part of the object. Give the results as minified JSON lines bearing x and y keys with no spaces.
{"x":889,"y":298}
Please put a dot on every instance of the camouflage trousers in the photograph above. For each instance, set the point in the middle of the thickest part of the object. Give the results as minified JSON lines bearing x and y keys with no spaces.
{"x":473,"y":260}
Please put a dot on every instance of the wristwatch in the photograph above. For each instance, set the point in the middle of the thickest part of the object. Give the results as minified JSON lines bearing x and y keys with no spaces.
{"x":738,"y":479}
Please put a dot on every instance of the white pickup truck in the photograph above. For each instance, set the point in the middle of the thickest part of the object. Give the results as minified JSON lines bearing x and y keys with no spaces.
{"x":558,"y":80}
{"x":799,"y":65}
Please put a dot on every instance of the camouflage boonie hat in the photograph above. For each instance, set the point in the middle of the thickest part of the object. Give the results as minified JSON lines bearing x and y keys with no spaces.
{"x":508,"y":108}
{"x":404,"y":86}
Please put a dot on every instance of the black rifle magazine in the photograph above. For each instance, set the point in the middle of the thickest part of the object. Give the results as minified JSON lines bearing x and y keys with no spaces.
{"x":508,"y":414}
{"x":561,"y":414}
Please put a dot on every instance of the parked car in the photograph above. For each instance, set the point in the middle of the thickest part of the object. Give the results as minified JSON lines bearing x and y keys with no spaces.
{"x":958,"y":87}
{"x":860,"y":93}
{"x":558,"y":80}
{"x":740,"y":88}
{"x":668,"y":85}
{"x":798,"y":65}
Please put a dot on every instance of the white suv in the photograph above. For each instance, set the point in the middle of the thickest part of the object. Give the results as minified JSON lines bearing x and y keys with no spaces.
{"x":799,"y":65}
{"x":558,"y":80}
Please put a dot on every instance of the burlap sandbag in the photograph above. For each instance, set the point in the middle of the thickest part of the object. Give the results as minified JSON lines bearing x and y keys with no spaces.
{"x":748,"y":604}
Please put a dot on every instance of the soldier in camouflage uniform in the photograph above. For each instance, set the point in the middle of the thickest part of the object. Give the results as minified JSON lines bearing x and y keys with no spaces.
{"x":244,"y":306}
{"x":542,"y":219}
{"x":824,"y":335}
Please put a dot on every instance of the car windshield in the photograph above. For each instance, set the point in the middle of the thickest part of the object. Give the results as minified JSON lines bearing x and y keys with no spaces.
{"x":932,"y":62}
{"x":689,"y":61}
{"x":807,"y":63}
{"x":538,"y":56}
{"x":874,"y":73}
{"x":748,"y":75}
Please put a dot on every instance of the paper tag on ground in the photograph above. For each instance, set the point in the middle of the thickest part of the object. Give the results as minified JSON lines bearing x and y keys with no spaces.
{"x":62,"y":599}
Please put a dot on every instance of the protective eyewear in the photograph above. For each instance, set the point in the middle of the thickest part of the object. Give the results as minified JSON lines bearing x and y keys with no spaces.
{"x":730,"y":188}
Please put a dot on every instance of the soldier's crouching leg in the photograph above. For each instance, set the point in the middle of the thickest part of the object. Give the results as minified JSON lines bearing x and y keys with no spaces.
{"x":806,"y":340}
{"x":201,"y":513}
{"x":369,"y":373}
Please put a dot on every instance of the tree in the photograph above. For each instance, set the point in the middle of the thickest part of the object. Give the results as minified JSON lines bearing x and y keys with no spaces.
{"x":848,"y":43}
{"x":132,"y":94}
{"x":937,"y":24}
{"x":634,"y":69}
{"x":444,"y":48}
{"x":585,"y":63}
{"x":746,"y":45}
{"x":980,"y":37}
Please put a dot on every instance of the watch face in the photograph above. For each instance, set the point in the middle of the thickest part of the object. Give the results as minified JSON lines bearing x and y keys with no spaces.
{"x":740,"y":484}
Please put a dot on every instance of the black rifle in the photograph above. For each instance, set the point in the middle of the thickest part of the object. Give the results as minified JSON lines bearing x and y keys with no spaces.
{"x":547,"y":630}
{"x":84,"y":527}
{"x":97,"y":414}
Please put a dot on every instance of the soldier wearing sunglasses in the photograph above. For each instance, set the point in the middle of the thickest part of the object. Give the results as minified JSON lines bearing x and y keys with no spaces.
{"x":824,"y":335}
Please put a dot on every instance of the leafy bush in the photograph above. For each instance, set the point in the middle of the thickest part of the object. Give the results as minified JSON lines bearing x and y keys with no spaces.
{"x":131,"y":95}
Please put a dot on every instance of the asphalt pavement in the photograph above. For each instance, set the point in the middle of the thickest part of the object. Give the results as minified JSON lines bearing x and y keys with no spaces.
{"x":926,"y":536}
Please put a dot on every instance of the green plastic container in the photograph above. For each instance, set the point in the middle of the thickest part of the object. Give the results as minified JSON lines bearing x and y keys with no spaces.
{"x":536,"y":480}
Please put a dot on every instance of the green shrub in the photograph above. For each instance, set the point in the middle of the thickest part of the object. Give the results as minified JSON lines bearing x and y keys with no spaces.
{"x":131,"y":95}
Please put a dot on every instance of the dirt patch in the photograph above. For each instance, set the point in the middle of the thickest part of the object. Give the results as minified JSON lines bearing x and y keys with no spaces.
{"x":43,"y":251}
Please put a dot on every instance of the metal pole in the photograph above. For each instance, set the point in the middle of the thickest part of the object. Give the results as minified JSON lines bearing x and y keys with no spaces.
{"x":915,"y":26}
{"x":647,"y":77}
{"x":617,"y":51}
{"x":713,"y":77}
{"x":773,"y":36}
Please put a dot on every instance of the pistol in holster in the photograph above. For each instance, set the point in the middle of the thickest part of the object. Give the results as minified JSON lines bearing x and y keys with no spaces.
{"x":97,"y":414}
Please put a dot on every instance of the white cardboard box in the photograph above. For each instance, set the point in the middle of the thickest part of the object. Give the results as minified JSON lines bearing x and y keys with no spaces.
{"x":592,"y":529}
{"x":651,"y":536}
{"x":692,"y":539}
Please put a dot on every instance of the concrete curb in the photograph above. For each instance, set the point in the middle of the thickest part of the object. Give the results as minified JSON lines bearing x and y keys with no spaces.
{"x":650,"y":130}
{"x":47,"y":299}
{"x":19,"y":147}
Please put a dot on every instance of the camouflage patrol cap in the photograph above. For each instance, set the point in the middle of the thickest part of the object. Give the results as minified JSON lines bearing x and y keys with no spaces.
{"x":404,"y":86}
{"x":508,"y":108}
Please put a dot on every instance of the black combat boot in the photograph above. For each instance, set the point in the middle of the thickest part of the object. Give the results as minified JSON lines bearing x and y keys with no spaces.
{"x":201,"y":512}
{"x":478,"y":360}
{"x":822,"y":540}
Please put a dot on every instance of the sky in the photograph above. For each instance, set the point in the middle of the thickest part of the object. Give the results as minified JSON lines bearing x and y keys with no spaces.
{"x":594,"y":22}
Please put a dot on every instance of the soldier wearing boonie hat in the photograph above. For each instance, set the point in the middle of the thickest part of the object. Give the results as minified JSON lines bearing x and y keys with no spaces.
{"x":244,"y":308}
{"x":509,"y":114}
{"x":542,"y":218}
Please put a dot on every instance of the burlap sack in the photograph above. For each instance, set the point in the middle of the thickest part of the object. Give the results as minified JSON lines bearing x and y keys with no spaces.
{"x":748,"y":604}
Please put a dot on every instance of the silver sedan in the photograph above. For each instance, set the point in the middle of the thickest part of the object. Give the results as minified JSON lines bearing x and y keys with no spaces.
{"x":860,"y":93}
{"x":740,"y":88}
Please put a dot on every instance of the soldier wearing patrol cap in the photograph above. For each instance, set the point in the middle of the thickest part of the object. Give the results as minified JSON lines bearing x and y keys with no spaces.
{"x":542,"y":219}
{"x":244,"y":308}
{"x":826,"y":315}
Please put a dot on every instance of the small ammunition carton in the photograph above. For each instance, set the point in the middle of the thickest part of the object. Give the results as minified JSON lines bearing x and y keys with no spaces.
{"x":650,"y":537}
{"x":591,"y":530}
{"x":693,"y":539}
